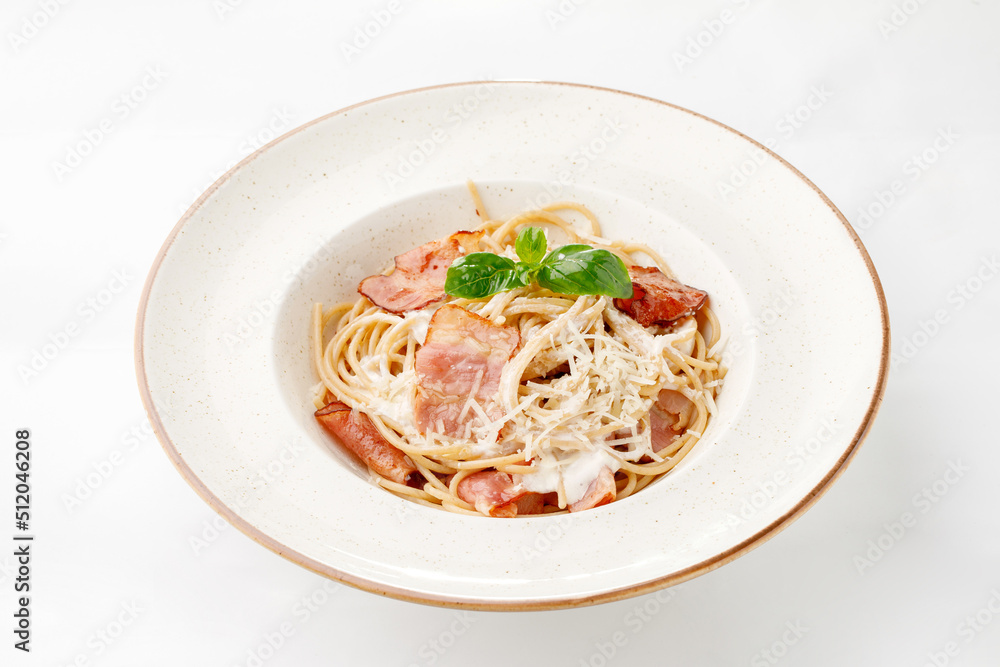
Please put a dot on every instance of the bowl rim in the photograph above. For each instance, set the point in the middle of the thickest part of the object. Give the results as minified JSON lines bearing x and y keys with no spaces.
{"x":483,"y":604}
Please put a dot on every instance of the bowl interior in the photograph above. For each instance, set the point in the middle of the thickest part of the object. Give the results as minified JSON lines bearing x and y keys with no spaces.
{"x":366,"y":246}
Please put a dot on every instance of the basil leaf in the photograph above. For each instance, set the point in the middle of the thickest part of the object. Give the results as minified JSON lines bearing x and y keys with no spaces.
{"x":482,"y":274}
{"x":581,"y":269}
{"x":525,"y":274}
{"x":531,"y":245}
{"x":571,"y":269}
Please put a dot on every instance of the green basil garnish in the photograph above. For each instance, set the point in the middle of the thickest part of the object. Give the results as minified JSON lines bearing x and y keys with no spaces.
{"x":581,"y":269}
{"x":570,"y":269}
{"x":530,"y":245}
{"x":482,"y":274}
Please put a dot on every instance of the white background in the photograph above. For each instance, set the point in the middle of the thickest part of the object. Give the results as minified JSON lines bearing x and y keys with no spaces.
{"x":860,"y":588}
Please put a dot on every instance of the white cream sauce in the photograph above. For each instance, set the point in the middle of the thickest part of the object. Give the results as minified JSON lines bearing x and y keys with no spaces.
{"x":576,"y":472}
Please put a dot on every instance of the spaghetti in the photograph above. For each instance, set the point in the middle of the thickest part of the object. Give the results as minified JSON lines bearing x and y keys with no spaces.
{"x":588,"y":393}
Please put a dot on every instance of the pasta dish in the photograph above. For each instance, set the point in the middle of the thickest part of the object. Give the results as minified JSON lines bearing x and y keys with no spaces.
{"x":497,"y":372}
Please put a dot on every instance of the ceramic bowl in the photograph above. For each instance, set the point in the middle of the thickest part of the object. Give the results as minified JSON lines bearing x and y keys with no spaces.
{"x":223,"y":358}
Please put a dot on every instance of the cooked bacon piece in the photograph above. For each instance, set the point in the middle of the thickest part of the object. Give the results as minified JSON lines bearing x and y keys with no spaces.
{"x":359,"y":435}
{"x":494,"y":493}
{"x":418,"y":279}
{"x":669,"y":405}
{"x":600,"y":492}
{"x":462,"y":357}
{"x":658,"y":299}
{"x":673,"y":401}
{"x":530,"y":503}
{"x":661,"y":429}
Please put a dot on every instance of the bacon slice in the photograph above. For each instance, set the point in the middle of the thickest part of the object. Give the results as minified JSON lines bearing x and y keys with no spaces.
{"x":661,"y":429}
{"x":462,"y":357}
{"x":673,"y":401}
{"x":359,"y":435}
{"x":493,"y":493}
{"x":530,"y":503}
{"x":600,"y":492}
{"x":418,"y":277}
{"x":658,"y":299}
{"x":669,"y":405}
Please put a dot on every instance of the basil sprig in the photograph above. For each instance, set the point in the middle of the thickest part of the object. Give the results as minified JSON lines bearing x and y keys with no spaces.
{"x":569,"y":269}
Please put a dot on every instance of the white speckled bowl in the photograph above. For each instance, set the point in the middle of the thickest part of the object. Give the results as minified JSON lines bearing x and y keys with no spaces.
{"x":223,"y":366}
